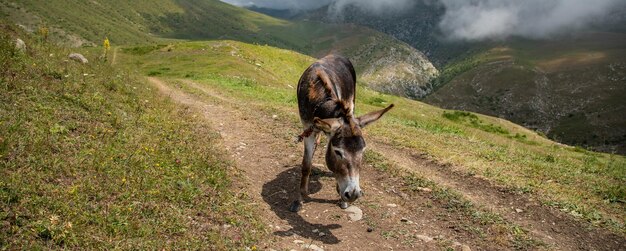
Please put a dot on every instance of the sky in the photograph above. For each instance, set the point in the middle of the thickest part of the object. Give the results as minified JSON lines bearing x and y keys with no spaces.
{"x":477,"y":20}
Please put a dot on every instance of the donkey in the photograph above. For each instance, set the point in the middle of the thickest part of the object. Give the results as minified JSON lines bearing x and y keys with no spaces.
{"x":326,"y":94}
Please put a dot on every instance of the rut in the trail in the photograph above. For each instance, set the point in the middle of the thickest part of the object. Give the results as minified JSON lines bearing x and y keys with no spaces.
{"x":262,"y":149}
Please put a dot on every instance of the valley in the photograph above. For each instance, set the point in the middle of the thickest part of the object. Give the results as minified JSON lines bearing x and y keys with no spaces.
{"x":569,"y":87}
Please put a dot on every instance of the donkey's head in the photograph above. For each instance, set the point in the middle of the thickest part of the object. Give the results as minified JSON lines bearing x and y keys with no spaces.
{"x":344,"y":155}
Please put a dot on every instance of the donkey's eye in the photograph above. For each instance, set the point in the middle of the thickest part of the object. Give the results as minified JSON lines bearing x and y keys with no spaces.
{"x":339,"y":153}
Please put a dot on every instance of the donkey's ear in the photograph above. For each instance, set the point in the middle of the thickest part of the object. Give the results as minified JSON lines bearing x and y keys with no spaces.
{"x":367,"y":119}
{"x":327,"y":125}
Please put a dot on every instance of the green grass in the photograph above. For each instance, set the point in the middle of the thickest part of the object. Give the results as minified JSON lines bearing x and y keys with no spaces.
{"x":93,"y":157}
{"x":586,"y":184}
{"x":473,"y":121}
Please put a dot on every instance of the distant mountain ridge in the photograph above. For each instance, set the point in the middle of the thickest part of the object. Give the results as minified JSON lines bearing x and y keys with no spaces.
{"x":375,"y":54}
{"x":570,"y":87}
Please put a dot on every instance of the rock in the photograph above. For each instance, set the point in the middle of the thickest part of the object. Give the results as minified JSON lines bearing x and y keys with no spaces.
{"x":404,"y":219}
{"x":312,"y":247}
{"x":354,"y":213}
{"x":322,"y":234}
{"x":392,"y":205}
{"x":274,"y":116}
{"x":424,"y":189}
{"x":20,"y":45}
{"x":78,"y":58}
{"x":424,"y":238}
{"x":519,"y":210}
{"x":315,"y":230}
{"x":298,"y":242}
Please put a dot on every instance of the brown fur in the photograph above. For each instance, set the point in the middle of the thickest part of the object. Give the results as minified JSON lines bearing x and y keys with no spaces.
{"x":326,"y":83}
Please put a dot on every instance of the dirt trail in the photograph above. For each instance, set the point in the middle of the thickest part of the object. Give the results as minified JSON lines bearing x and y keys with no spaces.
{"x":259,"y":143}
{"x":545,"y":223}
{"x":114,"y":55}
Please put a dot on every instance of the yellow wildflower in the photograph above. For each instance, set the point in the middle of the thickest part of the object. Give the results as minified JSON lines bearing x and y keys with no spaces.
{"x":106,"y":44}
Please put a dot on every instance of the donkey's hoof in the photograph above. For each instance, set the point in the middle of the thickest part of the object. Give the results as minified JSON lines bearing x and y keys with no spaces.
{"x":295,"y":206}
{"x":343,"y":204}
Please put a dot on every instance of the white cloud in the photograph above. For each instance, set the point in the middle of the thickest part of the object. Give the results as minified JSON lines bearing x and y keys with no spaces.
{"x":475,"y":19}
{"x":281,"y":4}
{"x":372,"y":6}
{"x":496,"y":19}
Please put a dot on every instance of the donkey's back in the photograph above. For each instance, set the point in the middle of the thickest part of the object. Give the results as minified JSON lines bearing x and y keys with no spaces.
{"x":327,"y":89}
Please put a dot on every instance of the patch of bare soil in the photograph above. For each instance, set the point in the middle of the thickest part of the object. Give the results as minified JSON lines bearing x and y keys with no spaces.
{"x":261,"y":146}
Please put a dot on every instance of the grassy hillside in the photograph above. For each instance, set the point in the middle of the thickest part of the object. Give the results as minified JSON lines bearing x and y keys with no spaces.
{"x":92,"y":157}
{"x":387,"y":64}
{"x":571,"y":89}
{"x":586,"y":184}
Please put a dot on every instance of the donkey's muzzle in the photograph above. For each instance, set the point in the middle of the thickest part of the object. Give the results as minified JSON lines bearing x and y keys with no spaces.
{"x":352,"y":195}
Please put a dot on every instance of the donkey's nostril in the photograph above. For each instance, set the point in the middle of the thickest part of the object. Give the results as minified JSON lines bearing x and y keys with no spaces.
{"x":347,"y":194}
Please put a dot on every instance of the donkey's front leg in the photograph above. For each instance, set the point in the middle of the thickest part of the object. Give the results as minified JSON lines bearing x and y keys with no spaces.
{"x":309,"y":149}
{"x":342,"y":204}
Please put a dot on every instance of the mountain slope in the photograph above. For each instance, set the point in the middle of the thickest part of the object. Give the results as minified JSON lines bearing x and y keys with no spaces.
{"x":570,"y":89}
{"x":417,"y":26}
{"x":387,"y":64}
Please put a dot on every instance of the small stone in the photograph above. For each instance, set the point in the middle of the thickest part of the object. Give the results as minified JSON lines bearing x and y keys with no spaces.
{"x":20,"y":45}
{"x":321,"y":234}
{"x":465,"y":248}
{"x":354,"y":213}
{"x":519,"y":210}
{"x":424,"y":189}
{"x":274,"y":116}
{"x":404,"y":219}
{"x":226,"y":226}
{"x":298,"y":242}
{"x":312,"y":247}
{"x":424,"y":238}
{"x":78,"y":58}
{"x":370,"y":229}
{"x":315,"y":230}
{"x":392,"y":205}
{"x":318,"y":166}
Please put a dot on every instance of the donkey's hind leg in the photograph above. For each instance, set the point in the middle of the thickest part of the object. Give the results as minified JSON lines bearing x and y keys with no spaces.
{"x":307,"y":164}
